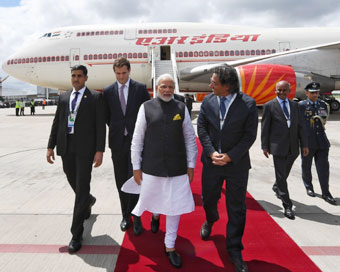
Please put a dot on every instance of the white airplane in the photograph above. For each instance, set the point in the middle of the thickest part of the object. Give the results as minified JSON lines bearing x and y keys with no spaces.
{"x":190,"y":51}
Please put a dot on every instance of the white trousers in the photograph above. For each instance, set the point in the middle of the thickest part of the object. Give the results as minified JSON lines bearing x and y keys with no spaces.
{"x":172,"y":223}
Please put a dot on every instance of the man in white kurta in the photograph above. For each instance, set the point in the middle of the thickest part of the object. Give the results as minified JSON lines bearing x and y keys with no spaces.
{"x":168,"y":195}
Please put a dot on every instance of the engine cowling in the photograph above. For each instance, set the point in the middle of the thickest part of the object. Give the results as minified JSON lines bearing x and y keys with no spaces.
{"x":259,"y":80}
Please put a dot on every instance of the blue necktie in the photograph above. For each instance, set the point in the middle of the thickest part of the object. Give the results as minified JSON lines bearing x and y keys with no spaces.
{"x":285,"y":110}
{"x":222,"y":106}
{"x":74,"y":101}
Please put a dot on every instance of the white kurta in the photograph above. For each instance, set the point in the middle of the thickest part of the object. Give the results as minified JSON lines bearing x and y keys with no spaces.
{"x":164,"y":195}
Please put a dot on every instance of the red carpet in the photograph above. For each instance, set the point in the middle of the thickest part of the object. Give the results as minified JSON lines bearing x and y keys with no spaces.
{"x":267,"y":247}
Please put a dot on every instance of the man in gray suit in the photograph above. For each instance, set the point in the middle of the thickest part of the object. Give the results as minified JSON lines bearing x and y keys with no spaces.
{"x":282,"y":133}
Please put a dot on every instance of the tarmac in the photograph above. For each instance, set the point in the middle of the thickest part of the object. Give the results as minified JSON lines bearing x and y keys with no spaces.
{"x":36,"y":202}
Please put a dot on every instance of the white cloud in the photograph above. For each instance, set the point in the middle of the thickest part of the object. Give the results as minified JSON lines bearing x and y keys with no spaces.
{"x":18,"y":25}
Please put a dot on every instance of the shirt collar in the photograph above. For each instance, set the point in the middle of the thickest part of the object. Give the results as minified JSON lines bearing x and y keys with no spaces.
{"x":126,"y":84}
{"x":81,"y":91}
{"x":281,"y":100}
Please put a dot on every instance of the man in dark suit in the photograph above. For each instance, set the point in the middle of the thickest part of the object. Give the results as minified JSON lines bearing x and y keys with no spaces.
{"x":123,"y":99}
{"x":79,"y":131}
{"x":282,"y":133}
{"x":227,"y":128}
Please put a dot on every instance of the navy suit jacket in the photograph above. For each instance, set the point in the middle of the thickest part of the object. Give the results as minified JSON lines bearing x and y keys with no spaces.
{"x":236,"y":136}
{"x":276,"y":137}
{"x":115,"y":118}
{"x":89,"y":127}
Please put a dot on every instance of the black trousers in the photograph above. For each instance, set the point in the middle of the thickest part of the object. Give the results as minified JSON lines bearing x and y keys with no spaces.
{"x":236,"y":188}
{"x":322,"y":167}
{"x":123,"y":171}
{"x":283,"y":165}
{"x":78,"y":172}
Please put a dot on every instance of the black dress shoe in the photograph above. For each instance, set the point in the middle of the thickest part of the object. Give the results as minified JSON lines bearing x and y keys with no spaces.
{"x":74,"y":246}
{"x":93,"y":201}
{"x":239,"y":264}
{"x":289,"y":213}
{"x":154,"y":225}
{"x":125,"y":224}
{"x":206,"y":230}
{"x":310,"y":192}
{"x":137,"y":226}
{"x":174,"y":258}
{"x":329,"y":199}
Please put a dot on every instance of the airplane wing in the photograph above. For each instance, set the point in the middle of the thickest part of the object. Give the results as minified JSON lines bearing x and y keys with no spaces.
{"x":3,"y":79}
{"x":191,"y":73}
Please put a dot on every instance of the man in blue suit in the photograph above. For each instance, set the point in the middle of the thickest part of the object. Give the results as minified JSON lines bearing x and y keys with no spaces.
{"x":227,"y":128}
{"x":123,"y":99}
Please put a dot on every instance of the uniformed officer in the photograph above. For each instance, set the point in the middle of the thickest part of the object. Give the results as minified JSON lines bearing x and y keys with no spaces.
{"x":315,"y":115}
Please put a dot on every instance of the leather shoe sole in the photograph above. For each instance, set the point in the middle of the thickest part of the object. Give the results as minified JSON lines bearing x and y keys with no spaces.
{"x":329,"y":199}
{"x":74,"y":246}
{"x":174,"y":258}
{"x":154,"y":225}
{"x":310,"y":193}
{"x":206,"y":230}
{"x":239,"y":264}
{"x":289,"y":213}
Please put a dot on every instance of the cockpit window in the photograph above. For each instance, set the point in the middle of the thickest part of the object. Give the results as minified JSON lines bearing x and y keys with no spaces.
{"x":46,"y":35}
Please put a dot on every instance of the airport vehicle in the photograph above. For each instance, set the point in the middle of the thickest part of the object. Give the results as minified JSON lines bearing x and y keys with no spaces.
{"x":188,"y":51}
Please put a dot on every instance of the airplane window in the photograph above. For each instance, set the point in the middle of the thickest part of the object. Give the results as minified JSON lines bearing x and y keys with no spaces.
{"x":169,"y":30}
{"x":191,"y":54}
{"x":67,"y":58}
{"x":268,"y":52}
{"x":159,"y":30}
{"x":105,"y":56}
{"x":180,"y":54}
{"x":78,"y":34}
{"x":57,"y":58}
{"x":44,"y":59}
{"x":40,"y":59}
{"x":201,"y":53}
{"x":85,"y":57}
{"x":237,"y":53}
{"x":95,"y":56}
{"x":87,"y":33}
{"x":226,"y":53}
{"x":174,"y":31}
{"x":221,"y":53}
{"x":231,"y":52}
{"x":263,"y":52}
{"x":257,"y":52}
{"x":154,"y":31}
{"x":90,"y":57}
{"x":140,"y":55}
{"x":273,"y":51}
{"x":116,"y":32}
{"x":150,"y":31}
{"x":211,"y":53}
{"x":247,"y":52}
{"x":97,"y":33}
{"x":92,"y":33}
{"x":145,"y":31}
{"x":76,"y":57}
{"x":120,"y":55}
{"x":48,"y":59}
{"x":83,"y":33}
{"x":35,"y":60}
{"x":49,"y":35}
{"x":140,"y":31}
{"x":195,"y":54}
{"x":12,"y":61}
{"x":53,"y":58}
{"x":8,"y":62}
{"x":124,"y":55}
{"x":120,"y":32}
{"x":185,"y":54}
{"x":112,"y":32}
{"x":114,"y":56}
{"x":145,"y":55}
{"x":100,"y":56}
{"x":217,"y":53}
{"x":206,"y":53}
{"x":19,"y":61}
{"x":129,"y":55}
{"x":31,"y":60}
{"x":242,"y":52}
{"x":101,"y":32}
{"x":165,"y":31}
{"x":15,"y":61}
{"x":106,"y":32}
{"x":62,"y":58}
{"x":252,"y":52}
{"x":134,"y":55}
{"x":109,"y":56}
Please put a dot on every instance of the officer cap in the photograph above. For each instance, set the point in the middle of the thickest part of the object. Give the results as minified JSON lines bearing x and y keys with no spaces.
{"x":313,"y":87}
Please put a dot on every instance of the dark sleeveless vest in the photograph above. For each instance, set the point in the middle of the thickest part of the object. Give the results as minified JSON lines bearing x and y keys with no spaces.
{"x":164,"y":152}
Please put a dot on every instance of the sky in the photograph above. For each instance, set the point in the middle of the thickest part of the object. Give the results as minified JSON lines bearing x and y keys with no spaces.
{"x":22,"y":21}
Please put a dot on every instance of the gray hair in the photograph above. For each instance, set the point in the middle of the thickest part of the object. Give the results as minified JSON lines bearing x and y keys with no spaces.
{"x":283,"y":82}
{"x":163,"y":77}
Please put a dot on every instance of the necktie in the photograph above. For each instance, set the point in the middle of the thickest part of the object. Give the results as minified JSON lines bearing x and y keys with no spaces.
{"x":285,"y":110}
{"x":74,"y":101}
{"x":122,"y":99}
{"x":222,"y":107}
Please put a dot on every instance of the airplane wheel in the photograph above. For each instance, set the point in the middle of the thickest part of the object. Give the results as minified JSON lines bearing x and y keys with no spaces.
{"x":334,"y":105}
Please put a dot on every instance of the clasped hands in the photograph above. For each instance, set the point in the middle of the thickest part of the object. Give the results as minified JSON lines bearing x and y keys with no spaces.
{"x":220,"y":158}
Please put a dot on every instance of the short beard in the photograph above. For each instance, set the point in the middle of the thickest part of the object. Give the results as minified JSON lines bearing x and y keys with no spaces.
{"x":165,"y":99}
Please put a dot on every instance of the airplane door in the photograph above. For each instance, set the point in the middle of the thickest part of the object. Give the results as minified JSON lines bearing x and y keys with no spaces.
{"x":74,"y":56}
{"x":130,"y":34}
{"x":284,"y":46}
